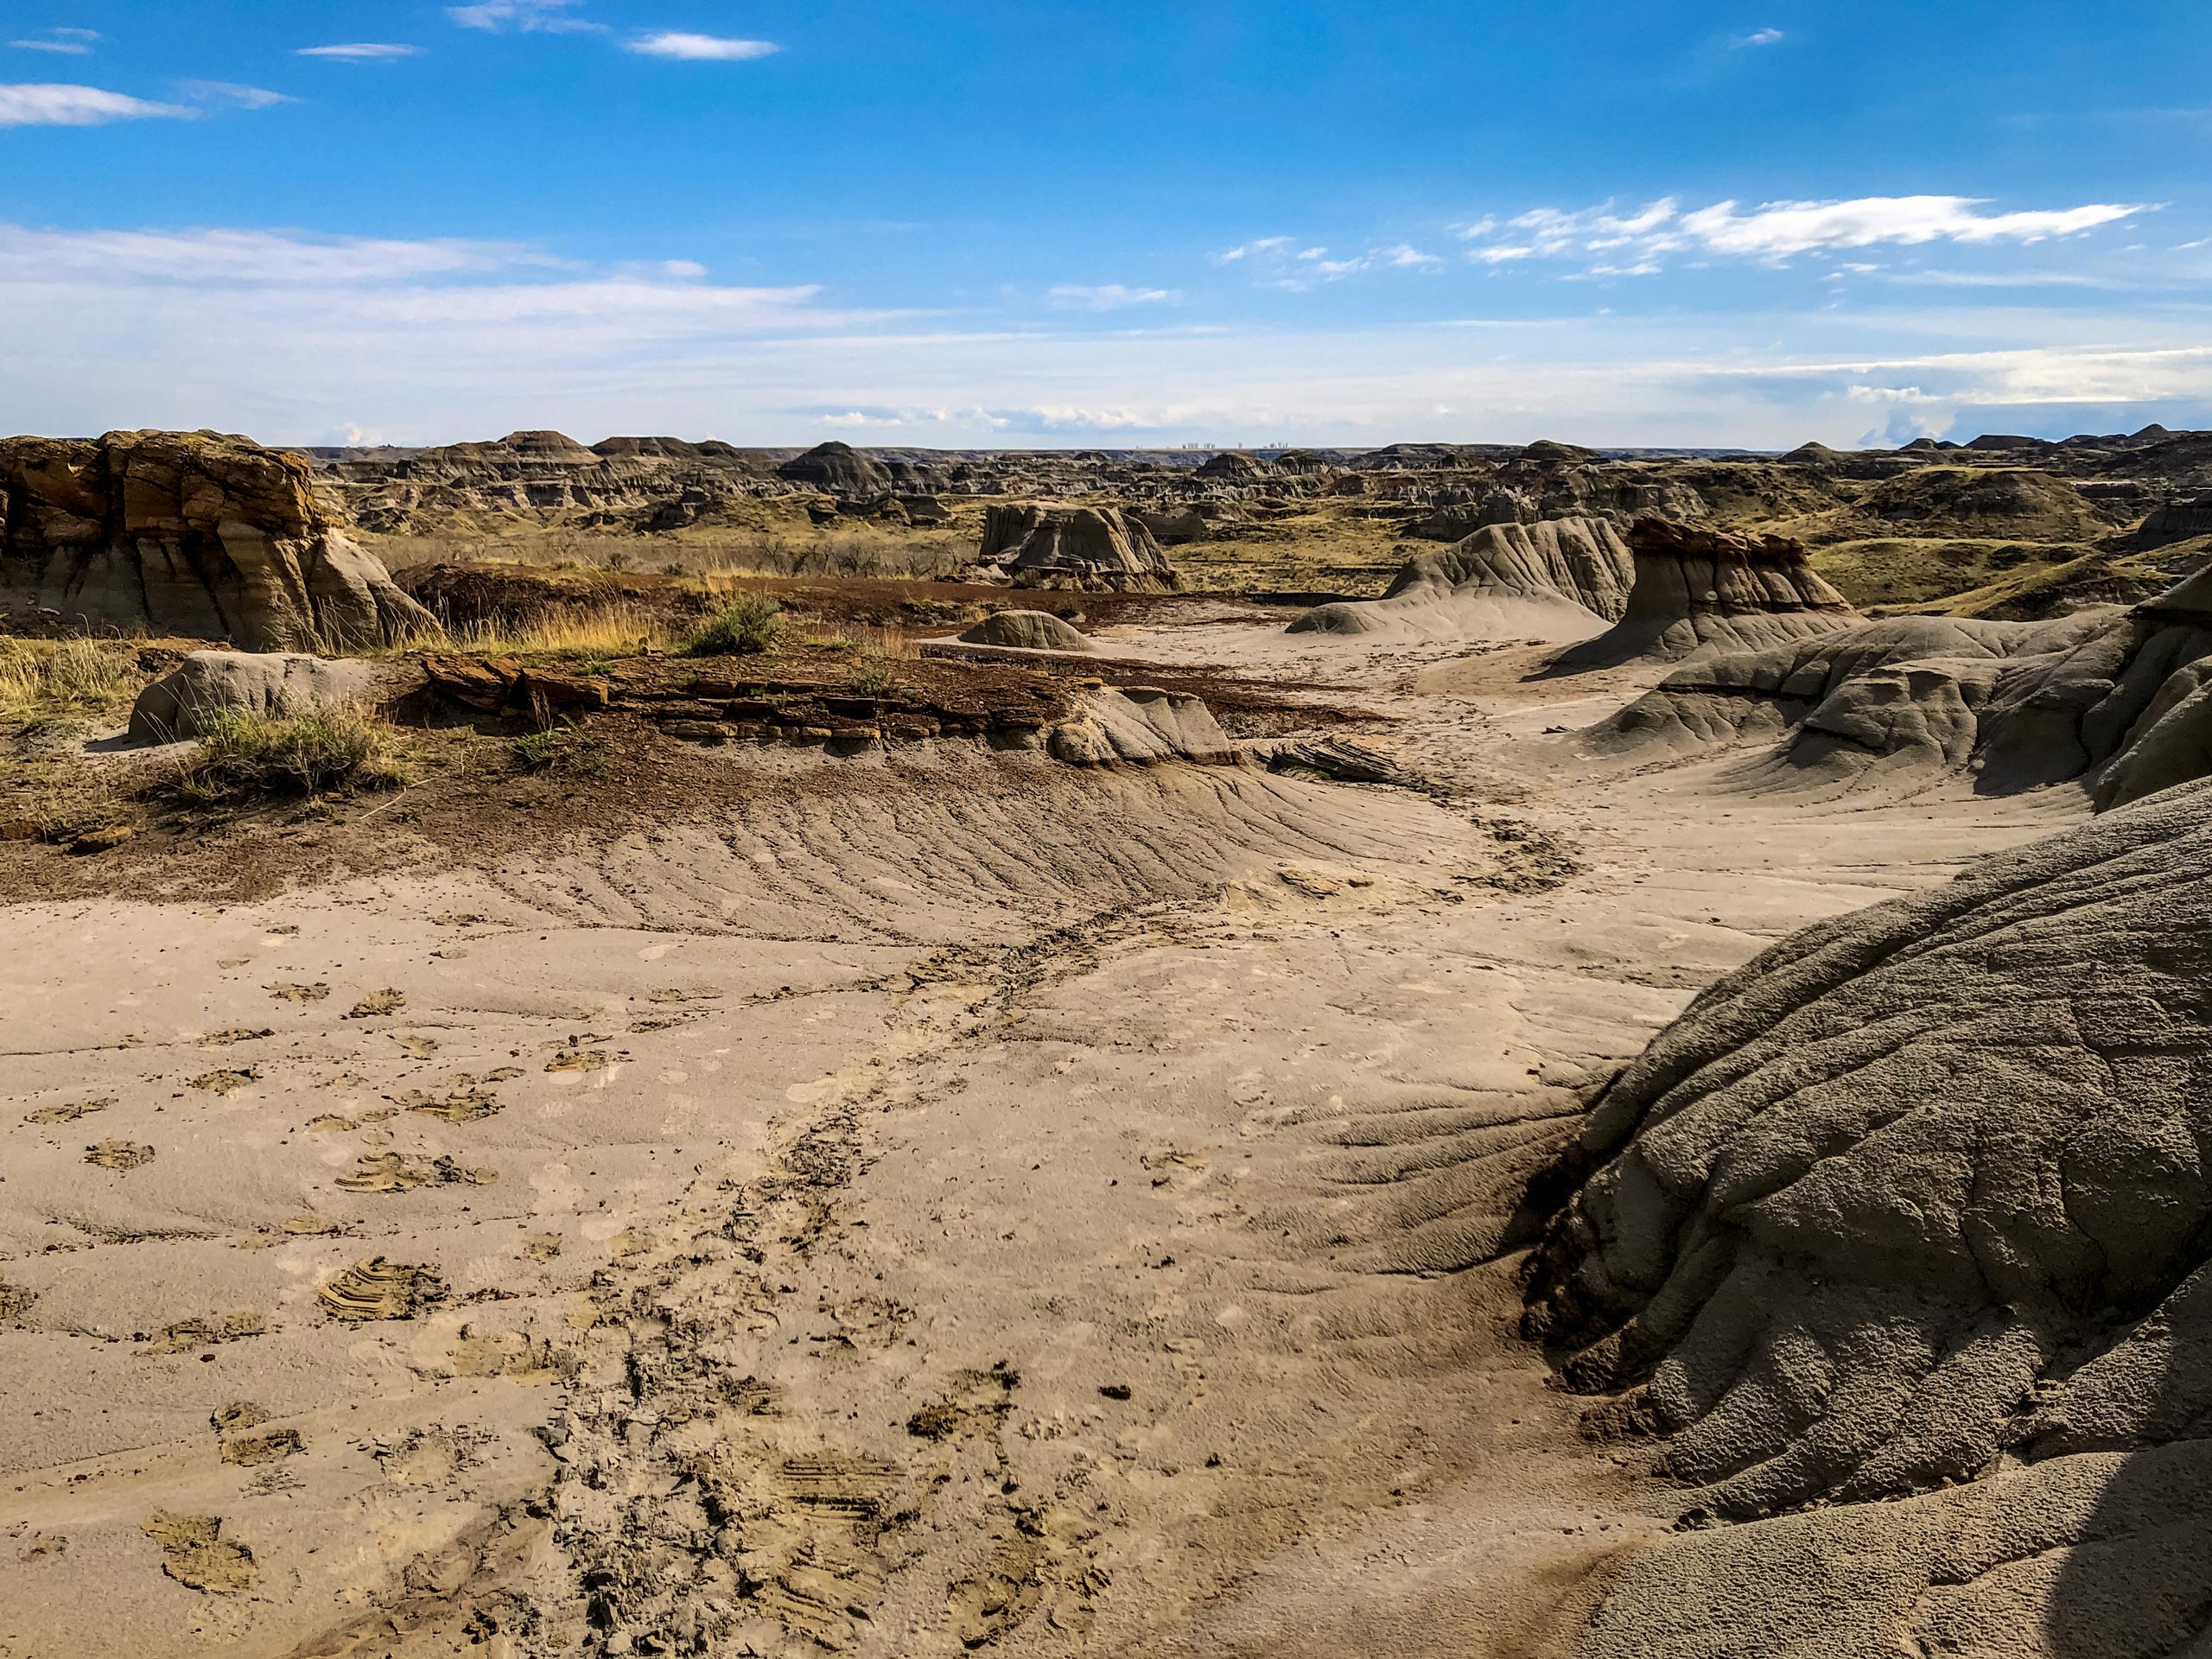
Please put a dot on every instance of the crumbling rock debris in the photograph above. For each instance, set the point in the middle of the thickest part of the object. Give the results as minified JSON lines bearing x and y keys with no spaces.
{"x":381,"y":1289}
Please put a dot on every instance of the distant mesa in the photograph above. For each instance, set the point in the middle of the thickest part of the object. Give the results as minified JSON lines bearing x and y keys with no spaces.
{"x":1549,"y":451}
{"x":1041,"y":545}
{"x":1235,"y":467}
{"x":1704,"y":590}
{"x":1561,"y":579}
{"x":839,"y":469}
{"x":195,"y":533}
{"x":1028,"y":631}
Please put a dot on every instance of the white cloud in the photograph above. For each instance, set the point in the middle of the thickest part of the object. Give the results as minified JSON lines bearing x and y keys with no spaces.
{"x":1266,"y":244}
{"x":1774,"y":230}
{"x":74,"y":41}
{"x":1761,"y":37}
{"x":1313,"y":253}
{"x":682,"y":268}
{"x":230,"y":93}
{"x":1402,"y":255}
{"x":361,"y":51}
{"x":264,"y":258}
{"x":1777,"y":229}
{"x":532,"y":17}
{"x":699,"y":48}
{"x":1106,"y":296}
{"x":51,"y":106}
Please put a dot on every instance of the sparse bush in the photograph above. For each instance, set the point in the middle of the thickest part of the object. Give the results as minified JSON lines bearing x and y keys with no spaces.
{"x":243,"y":754}
{"x":749,"y":624}
{"x":568,"y":746}
{"x":876,"y":676}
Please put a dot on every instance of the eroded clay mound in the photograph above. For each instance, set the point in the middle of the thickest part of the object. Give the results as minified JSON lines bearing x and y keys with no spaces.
{"x":1702,"y":590}
{"x":1561,"y":579}
{"x":2117,"y":697}
{"x":191,"y":533}
{"x":1915,"y":1187}
{"x":1028,"y":631}
{"x":1041,"y":545}
{"x":1907,"y":1222}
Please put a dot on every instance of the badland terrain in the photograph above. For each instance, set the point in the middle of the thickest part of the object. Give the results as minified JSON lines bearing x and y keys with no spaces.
{"x":661,"y":1048}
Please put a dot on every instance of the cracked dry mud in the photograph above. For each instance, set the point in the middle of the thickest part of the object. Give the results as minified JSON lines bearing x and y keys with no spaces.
{"x":1023,"y":1211}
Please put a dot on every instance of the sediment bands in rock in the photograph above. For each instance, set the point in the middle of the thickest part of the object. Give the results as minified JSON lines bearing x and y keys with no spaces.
{"x":1043,"y":545}
{"x":1916,"y":1192}
{"x":1706,"y":590}
{"x":2115,"y":697}
{"x":191,"y":533}
{"x":1562,"y":578}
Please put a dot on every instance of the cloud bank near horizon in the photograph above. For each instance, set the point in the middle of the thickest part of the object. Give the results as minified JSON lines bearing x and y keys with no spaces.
{"x":299,"y":339}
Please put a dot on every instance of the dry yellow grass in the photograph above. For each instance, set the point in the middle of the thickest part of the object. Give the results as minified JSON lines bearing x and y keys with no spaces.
{"x":614,"y":629}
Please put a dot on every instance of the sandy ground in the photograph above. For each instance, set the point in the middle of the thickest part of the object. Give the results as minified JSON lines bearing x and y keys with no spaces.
{"x":1002,"y":1207}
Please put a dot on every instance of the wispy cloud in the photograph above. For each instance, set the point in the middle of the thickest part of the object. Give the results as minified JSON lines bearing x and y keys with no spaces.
{"x":76,"y":42}
{"x":231,"y":93}
{"x":1275,"y":265}
{"x":1265,"y":244}
{"x":260,"y":257}
{"x":698,"y":49}
{"x":1780,"y":228}
{"x":1106,"y":296}
{"x":530,"y":17}
{"x":1635,"y":243}
{"x":1760,"y":37}
{"x":361,"y":51}
{"x":33,"y":104}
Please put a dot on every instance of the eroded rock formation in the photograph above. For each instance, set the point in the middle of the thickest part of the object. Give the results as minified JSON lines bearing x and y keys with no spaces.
{"x":191,"y":533}
{"x":1705,"y":590}
{"x":1920,"y":1197}
{"x":208,"y":684}
{"x":1028,"y":631}
{"x":2118,"y":698}
{"x":1043,"y":545}
{"x":1561,"y":579}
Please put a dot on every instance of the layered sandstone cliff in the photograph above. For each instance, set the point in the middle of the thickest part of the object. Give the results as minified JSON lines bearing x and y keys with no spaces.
{"x":191,"y":533}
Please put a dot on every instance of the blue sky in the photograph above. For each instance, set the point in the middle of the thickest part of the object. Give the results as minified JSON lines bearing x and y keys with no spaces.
{"x":1011,"y":224}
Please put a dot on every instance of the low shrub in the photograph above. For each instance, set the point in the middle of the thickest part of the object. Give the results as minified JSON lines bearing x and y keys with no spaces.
{"x":568,"y":746}
{"x":749,"y":625}
{"x":243,"y":755}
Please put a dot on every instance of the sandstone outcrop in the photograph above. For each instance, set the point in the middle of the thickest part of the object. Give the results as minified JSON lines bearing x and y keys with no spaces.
{"x":1918,"y":1199}
{"x":1708,"y":591}
{"x":191,"y":533}
{"x":1044,"y":545}
{"x":210,"y":683}
{"x":1561,"y":579}
{"x":1028,"y":631}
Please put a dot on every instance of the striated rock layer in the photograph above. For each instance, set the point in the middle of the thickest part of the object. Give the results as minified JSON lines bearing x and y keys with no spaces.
{"x":2118,"y":698}
{"x":1920,"y":1197}
{"x":1042,"y":546}
{"x":1561,"y":579}
{"x":1703,"y":590}
{"x":191,"y":533}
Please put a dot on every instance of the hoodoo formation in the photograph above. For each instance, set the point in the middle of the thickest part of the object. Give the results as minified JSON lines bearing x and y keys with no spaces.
{"x":1701,"y":590}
